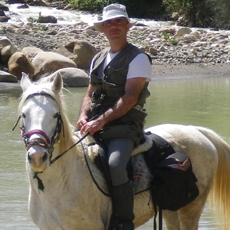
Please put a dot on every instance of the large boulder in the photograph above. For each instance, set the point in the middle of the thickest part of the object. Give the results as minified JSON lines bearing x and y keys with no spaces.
{"x":45,"y":63}
{"x":73,"y":77}
{"x":7,"y":52}
{"x":19,"y":63}
{"x":6,"y":77}
{"x":81,"y":52}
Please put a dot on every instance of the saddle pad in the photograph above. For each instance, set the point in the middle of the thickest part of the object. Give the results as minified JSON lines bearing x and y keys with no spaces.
{"x":141,"y":174}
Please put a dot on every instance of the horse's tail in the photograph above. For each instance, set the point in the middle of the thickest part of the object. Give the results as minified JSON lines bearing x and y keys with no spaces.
{"x":220,"y":192}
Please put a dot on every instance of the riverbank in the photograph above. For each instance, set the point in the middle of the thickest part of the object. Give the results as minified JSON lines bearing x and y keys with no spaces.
{"x":176,"y":52}
{"x":185,"y":71}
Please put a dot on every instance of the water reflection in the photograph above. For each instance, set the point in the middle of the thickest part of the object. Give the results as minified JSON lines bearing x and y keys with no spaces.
{"x":204,"y":102}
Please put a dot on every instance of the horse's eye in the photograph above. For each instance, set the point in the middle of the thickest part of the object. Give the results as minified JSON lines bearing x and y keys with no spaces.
{"x":23,"y":115}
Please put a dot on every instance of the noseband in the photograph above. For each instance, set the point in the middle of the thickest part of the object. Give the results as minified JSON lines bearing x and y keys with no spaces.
{"x":47,"y":143}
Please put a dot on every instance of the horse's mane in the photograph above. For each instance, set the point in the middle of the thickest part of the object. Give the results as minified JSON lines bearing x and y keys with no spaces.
{"x":45,"y":87}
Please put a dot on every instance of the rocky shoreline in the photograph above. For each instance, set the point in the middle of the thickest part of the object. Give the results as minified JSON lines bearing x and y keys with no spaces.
{"x":176,"y":51}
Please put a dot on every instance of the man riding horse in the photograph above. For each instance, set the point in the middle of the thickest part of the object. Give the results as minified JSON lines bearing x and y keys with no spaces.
{"x":113,"y":105}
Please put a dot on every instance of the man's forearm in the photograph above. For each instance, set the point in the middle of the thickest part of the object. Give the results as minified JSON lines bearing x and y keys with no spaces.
{"x":123,"y":105}
{"x":85,"y":106}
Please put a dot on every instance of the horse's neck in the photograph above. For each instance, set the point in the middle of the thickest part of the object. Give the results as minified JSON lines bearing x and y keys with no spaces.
{"x":69,"y":188}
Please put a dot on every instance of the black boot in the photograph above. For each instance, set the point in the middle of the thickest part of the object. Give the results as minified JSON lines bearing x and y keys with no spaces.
{"x":123,"y":199}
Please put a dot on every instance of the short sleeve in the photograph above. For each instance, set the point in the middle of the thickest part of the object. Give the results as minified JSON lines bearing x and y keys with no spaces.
{"x":140,"y":67}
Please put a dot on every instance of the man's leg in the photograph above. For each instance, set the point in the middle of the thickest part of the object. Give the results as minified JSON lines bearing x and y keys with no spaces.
{"x":119,"y":151}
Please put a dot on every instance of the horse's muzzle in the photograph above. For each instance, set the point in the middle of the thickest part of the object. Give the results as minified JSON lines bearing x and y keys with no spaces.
{"x":38,"y":158}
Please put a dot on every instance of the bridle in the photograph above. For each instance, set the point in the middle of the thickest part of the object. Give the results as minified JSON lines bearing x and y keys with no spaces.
{"x":47,"y":143}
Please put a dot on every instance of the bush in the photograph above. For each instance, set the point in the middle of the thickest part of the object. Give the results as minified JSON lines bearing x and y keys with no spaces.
{"x":89,"y":5}
{"x":135,"y":8}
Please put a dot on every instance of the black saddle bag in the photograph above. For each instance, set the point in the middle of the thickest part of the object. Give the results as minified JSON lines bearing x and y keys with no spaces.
{"x":174,"y":183}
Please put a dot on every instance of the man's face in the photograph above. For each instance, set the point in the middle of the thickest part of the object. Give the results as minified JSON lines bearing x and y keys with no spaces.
{"x":116,"y":29}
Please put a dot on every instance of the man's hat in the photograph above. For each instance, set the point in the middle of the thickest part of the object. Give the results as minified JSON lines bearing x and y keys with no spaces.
{"x":111,"y":12}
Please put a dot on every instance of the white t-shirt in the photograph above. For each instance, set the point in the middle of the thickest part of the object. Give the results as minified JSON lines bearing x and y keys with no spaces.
{"x":139,"y":67}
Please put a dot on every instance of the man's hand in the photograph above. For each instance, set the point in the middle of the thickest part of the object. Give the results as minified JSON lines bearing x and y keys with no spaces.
{"x":81,"y":122}
{"x":92,"y":126}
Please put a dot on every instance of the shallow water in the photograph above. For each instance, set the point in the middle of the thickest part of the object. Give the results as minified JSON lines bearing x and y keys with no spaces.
{"x":204,"y":102}
{"x":64,"y":17}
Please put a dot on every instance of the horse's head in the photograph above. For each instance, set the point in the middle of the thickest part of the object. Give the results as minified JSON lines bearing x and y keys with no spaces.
{"x":41,"y":120}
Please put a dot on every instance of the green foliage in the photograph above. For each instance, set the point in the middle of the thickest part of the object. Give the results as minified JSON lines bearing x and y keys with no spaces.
{"x":135,"y":8}
{"x":221,"y":13}
{"x":31,"y":21}
{"x":195,"y":12}
{"x":201,"y":13}
{"x":173,"y":42}
{"x":167,"y":38}
{"x":166,"y":35}
{"x":143,"y":8}
{"x":90,"y":5}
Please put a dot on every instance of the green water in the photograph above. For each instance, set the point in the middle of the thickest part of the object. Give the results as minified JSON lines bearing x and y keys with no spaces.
{"x":204,"y":102}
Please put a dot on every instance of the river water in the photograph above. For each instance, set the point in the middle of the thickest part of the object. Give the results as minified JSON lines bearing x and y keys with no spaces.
{"x":203,"y":102}
{"x":64,"y":17}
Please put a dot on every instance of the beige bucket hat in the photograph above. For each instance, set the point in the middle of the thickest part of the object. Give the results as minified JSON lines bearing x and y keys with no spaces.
{"x":111,"y":12}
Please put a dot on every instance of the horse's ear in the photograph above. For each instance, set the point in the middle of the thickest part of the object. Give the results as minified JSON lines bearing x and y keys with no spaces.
{"x":25,"y":82}
{"x":57,"y":83}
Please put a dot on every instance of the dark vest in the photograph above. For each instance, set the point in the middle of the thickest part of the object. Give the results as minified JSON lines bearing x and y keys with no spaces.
{"x":111,"y":87}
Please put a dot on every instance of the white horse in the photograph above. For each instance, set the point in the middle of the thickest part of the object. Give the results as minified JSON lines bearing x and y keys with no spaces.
{"x":71,"y":200}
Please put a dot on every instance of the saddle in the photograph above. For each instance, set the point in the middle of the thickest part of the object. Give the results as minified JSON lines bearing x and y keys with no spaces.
{"x":154,"y":166}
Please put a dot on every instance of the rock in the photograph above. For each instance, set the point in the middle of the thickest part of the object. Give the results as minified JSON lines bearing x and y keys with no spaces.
{"x":4,"y":19}
{"x":31,"y":51}
{"x":23,"y":6}
{"x":91,"y":32}
{"x":45,"y":63}
{"x":81,"y":52}
{"x":14,"y":1}
{"x":4,"y":41}
{"x":73,"y":77}
{"x":175,"y":16}
{"x":182,"y":31}
{"x":188,"y":38}
{"x":7,"y":52}
{"x":3,"y":7}
{"x":196,"y":34}
{"x":2,"y":13}
{"x":152,"y":50}
{"x":6,"y":77}
{"x":37,"y":3}
{"x":46,"y":19}
{"x":167,"y":30}
{"x":19,"y":63}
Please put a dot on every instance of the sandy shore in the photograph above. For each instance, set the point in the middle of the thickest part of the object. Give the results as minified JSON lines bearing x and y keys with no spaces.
{"x":183,"y":71}
{"x":167,"y":72}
